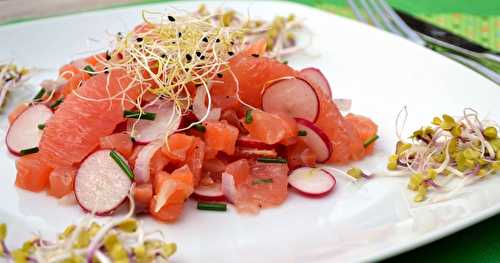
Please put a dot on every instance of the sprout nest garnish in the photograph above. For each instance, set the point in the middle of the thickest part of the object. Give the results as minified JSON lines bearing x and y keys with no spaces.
{"x":120,"y":240}
{"x":463,"y":147}
{"x":169,"y":54}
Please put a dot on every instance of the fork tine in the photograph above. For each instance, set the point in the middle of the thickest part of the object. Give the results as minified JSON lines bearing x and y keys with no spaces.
{"x":370,"y":14}
{"x":387,"y":22}
{"x":401,"y":24}
{"x":355,"y":10}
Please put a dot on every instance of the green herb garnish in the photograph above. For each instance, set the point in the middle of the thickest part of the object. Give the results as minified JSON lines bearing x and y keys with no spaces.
{"x":39,"y":95}
{"x":123,"y":165}
{"x":89,"y":70}
{"x":200,"y":127}
{"x":29,"y":151}
{"x":370,"y":140}
{"x":212,"y":206}
{"x":248,"y":117}
{"x":150,"y":116}
{"x":56,"y":103}
{"x":302,"y":133}
{"x":271,"y":160}
{"x":41,"y":126}
{"x":262,"y":181}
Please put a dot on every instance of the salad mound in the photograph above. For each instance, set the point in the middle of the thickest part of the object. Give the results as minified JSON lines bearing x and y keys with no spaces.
{"x":193,"y":105}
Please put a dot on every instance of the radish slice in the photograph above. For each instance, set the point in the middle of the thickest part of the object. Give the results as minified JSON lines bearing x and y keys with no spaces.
{"x":166,"y":122}
{"x":292,"y":96}
{"x":24,"y":132}
{"x":212,"y":193}
{"x":199,"y":108}
{"x":343,"y":104}
{"x":315,"y":139}
{"x":101,"y":185}
{"x":312,"y":181}
{"x":229,"y":187}
{"x":141,"y":168}
{"x":315,"y":76}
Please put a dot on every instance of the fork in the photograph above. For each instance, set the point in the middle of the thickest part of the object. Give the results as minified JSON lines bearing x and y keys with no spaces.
{"x":381,"y":15}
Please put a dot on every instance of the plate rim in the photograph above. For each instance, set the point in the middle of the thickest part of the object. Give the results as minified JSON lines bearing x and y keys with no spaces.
{"x":391,"y":251}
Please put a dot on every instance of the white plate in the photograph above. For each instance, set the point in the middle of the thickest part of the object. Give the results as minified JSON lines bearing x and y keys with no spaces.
{"x":379,"y":71}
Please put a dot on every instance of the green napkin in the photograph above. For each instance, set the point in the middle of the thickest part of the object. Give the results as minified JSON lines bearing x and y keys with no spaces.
{"x":477,"y":20}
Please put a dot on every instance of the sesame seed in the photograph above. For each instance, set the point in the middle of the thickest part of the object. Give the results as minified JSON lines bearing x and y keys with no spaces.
{"x":171,"y":19}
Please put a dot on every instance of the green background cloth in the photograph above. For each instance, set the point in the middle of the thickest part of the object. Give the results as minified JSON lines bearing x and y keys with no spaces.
{"x":478,"y":20}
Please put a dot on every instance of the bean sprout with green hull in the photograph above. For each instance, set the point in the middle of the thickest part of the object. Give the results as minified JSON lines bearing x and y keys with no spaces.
{"x":120,"y":240}
{"x":464,"y":147}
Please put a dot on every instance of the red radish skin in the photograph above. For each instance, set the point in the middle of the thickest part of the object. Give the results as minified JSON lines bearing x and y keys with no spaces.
{"x":312,"y":182}
{"x":101,"y":186}
{"x":315,"y":76}
{"x":167,"y":120}
{"x":315,"y":139}
{"x":212,"y":193}
{"x":24,"y":132}
{"x":292,"y":96}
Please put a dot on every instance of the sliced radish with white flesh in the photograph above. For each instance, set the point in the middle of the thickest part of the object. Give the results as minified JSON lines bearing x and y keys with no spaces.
{"x":228,"y":187}
{"x":199,"y":108}
{"x":343,"y":104}
{"x":25,"y":133}
{"x":141,"y":168}
{"x":212,"y":193}
{"x":101,"y":185}
{"x":312,"y":181}
{"x":315,"y":76}
{"x":167,"y":121}
{"x":293,"y":96}
{"x":315,"y":139}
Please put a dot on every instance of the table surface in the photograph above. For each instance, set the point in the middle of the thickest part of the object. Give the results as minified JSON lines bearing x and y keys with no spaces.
{"x":478,"y":20}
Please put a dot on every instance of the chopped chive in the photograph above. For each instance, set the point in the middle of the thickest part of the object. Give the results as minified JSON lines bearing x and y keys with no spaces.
{"x":200,"y":127}
{"x":56,"y":103}
{"x":302,"y":133}
{"x":39,"y":95}
{"x":262,"y":181}
{"x":90,"y":70}
{"x":41,"y":126}
{"x":285,"y":62}
{"x":271,"y":160}
{"x":212,"y":206}
{"x":29,"y":151}
{"x":255,"y":55}
{"x":370,"y":140}
{"x":123,"y":165}
{"x":132,"y":139}
{"x":137,"y":115}
{"x":248,"y":117}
